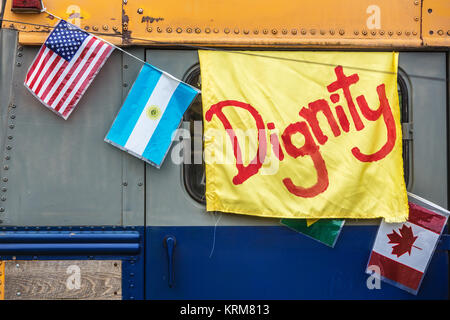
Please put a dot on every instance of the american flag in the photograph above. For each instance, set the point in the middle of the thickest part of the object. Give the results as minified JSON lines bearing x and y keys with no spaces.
{"x":65,"y":66}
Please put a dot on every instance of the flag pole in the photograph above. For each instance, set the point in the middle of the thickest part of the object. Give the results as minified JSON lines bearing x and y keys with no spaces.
{"x":116,"y":47}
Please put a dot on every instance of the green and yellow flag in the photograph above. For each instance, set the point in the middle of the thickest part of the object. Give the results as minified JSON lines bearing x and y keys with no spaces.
{"x":303,"y":134}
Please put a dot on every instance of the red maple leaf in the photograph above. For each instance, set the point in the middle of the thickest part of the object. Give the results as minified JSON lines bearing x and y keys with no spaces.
{"x":403,"y":241}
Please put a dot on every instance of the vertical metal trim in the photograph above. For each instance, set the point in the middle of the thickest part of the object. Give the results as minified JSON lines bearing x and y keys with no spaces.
{"x":2,"y":280}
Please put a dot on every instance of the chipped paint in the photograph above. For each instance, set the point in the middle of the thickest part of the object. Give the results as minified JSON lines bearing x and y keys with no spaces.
{"x":151,"y":19}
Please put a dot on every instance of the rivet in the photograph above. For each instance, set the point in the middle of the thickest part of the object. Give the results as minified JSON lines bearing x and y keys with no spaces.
{"x":431,"y":32}
{"x":216,"y":30}
{"x":10,"y":137}
{"x":303,"y":31}
{"x":8,"y":147}
{"x":86,"y":28}
{"x":390,"y":33}
{"x":236,"y":31}
{"x":125,"y":66}
{"x":331,"y":31}
{"x":381,"y":32}
{"x":23,"y":27}
{"x":159,"y":29}
{"x":37,"y":27}
{"x":207,"y":30}
{"x":356,"y":32}
{"x":198,"y":30}
{"x":19,"y":64}
{"x":105,"y":27}
{"x":95,"y":28}
{"x":6,"y":168}
{"x":294,"y":31}
{"x":4,"y":189}
{"x":341,"y":32}
{"x":125,"y":184}
{"x":416,"y":19}
{"x":430,"y":10}
{"x":226,"y":30}
{"x":20,"y":48}
{"x":3,"y":198}
{"x":169,"y":30}
{"x":416,"y":2}
{"x":373,"y":32}
{"x":364,"y":32}
{"x":284,"y":31}
{"x":448,"y":32}
{"x":256,"y":31}
{"x":19,"y":54}
{"x":115,"y":28}
{"x":265,"y":31}
{"x":312,"y":31}
{"x":125,"y":85}
{"x":246,"y":31}
{"x":11,"y":25}
{"x":322,"y":32}
{"x":414,"y":33}
{"x":407,"y":33}
{"x":140,"y":10}
{"x":2,"y":209}
{"x":440,"y":32}
{"x":7,"y":157}
{"x":399,"y":33}
{"x":188,"y":30}
{"x":140,"y":184}
{"x":179,"y":30}
{"x":5,"y":179}
{"x":13,"y":116}
{"x":274,"y":31}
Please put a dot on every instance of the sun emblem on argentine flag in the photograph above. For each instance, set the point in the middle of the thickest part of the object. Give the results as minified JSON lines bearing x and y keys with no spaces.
{"x":153,"y":112}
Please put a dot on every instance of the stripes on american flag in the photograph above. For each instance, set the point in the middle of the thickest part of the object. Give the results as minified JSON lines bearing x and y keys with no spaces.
{"x":65,"y":66}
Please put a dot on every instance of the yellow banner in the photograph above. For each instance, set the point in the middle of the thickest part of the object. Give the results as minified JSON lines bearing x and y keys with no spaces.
{"x":303,"y":134}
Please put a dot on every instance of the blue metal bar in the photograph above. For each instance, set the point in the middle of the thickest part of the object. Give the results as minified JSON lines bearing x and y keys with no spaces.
{"x":69,"y":237}
{"x":445,"y":242}
{"x":69,"y":248}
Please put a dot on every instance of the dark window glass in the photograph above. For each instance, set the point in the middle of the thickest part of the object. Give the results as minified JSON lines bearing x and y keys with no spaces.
{"x":194,"y":174}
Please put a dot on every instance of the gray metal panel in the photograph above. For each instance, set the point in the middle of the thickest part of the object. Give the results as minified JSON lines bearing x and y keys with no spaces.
{"x":428,"y":113}
{"x":62,"y":172}
{"x":168,"y":203}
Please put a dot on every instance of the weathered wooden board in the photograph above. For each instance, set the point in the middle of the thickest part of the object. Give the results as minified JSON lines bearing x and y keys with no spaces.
{"x":63,"y":279}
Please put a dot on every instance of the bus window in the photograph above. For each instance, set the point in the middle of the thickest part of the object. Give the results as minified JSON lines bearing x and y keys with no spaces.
{"x":194,"y":174}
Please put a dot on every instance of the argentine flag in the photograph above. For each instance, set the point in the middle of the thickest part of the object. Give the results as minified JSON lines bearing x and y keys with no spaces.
{"x":150,"y":114}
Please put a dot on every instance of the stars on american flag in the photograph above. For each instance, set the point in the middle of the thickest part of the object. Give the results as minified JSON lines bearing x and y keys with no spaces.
{"x":65,"y":40}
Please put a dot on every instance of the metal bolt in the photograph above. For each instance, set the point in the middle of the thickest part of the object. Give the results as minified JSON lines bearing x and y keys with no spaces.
{"x":198,"y":30}
{"x":149,"y":29}
{"x":265,"y":31}
{"x":341,"y":32}
{"x":115,"y":28}
{"x":5,"y":179}
{"x":140,"y":10}
{"x":373,"y":32}
{"x":8,"y":147}
{"x":19,"y":54}
{"x":6,"y":167}
{"x":381,"y":32}
{"x":188,"y":30}
{"x":312,"y":31}
{"x":415,"y":33}
{"x":407,"y":33}
{"x":159,"y":29}
{"x":274,"y":31}
{"x":140,"y":184}
{"x":416,"y":2}
{"x":86,"y":28}
{"x":390,"y":33}
{"x":440,"y":32}
{"x":19,"y":64}
{"x":105,"y":27}
{"x":284,"y":31}
{"x":216,"y":30}
{"x":356,"y":32}
{"x":2,"y":209}
{"x":331,"y":31}
{"x":226,"y":30}
{"x":236,"y":31}
{"x":448,"y":32}
{"x":294,"y":31}
{"x":95,"y":28}
{"x":13,"y":106}
{"x":169,"y":30}
{"x":3,"y":198}
{"x":125,"y":184}
{"x":207,"y":30}
{"x":11,"y":126}
{"x":256,"y":31}
{"x":179,"y":30}
{"x":416,"y":19}
{"x":4,"y":189}
{"x":13,"y":116}
{"x":399,"y":33}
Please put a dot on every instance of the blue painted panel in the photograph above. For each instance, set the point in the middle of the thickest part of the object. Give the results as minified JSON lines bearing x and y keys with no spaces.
{"x":86,"y":243}
{"x":273,"y":263}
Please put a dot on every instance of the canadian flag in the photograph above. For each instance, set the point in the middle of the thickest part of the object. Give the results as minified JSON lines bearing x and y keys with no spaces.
{"x":402,"y":251}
